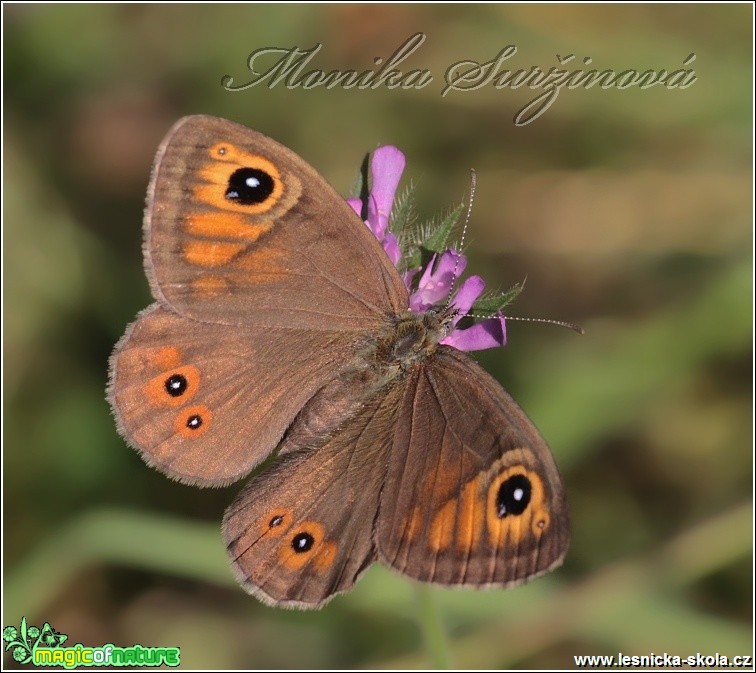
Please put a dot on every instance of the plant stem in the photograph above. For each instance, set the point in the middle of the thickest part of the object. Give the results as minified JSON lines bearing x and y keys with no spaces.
{"x":434,"y":633}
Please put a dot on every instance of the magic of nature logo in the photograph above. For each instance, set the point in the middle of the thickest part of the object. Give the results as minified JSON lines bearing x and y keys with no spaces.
{"x":44,"y":646}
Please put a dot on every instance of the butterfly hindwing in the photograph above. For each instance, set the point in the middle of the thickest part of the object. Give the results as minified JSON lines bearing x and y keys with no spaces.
{"x":302,"y":532}
{"x":472,"y":494}
{"x":204,"y":403}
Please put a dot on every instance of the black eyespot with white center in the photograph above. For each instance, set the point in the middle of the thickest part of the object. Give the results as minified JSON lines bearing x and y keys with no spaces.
{"x":302,"y":542}
{"x":275,"y":521}
{"x":513,"y":497}
{"x":249,"y":186}
{"x":194,"y":422}
{"x":176,"y":385}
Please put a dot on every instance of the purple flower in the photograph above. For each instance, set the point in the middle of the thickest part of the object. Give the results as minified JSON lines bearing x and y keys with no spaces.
{"x":386,"y":168}
{"x":487,"y":333}
{"x":436,"y":283}
{"x":435,"y":286}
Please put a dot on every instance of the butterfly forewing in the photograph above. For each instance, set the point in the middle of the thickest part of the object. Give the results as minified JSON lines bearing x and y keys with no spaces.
{"x":240,"y":230}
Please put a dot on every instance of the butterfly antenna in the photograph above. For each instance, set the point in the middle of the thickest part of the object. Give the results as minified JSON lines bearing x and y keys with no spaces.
{"x":473,"y":183}
{"x":560,"y":323}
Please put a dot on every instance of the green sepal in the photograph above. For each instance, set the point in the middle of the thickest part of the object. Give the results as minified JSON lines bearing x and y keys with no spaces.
{"x":403,"y":218}
{"x":361,"y":186}
{"x":419,"y":242}
{"x":439,"y":229}
{"x":490,"y":303}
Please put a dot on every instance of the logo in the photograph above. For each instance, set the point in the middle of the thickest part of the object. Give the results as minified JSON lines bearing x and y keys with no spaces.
{"x":44,"y":647}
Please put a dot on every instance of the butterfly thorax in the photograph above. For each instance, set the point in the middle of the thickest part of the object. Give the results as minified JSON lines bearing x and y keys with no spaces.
{"x":410,"y":339}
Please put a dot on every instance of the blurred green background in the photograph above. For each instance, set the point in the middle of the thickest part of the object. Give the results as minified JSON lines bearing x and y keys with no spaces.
{"x":629,"y":212}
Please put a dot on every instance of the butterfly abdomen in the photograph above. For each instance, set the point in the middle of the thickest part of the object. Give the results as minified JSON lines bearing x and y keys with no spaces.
{"x":330,"y":408}
{"x":406,"y":343}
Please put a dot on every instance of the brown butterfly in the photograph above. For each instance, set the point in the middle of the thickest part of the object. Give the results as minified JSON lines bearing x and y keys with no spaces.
{"x":281,"y":325}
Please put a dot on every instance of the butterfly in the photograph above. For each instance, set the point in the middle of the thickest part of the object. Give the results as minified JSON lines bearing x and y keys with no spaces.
{"x":281,"y":325}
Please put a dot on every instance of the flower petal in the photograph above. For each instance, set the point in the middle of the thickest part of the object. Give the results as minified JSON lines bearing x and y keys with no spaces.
{"x":409,"y":275}
{"x":436,"y":281}
{"x":466,"y":295}
{"x":356,"y":205}
{"x":386,"y":168}
{"x":450,"y":261}
{"x":489,"y":333}
{"x":377,"y":222}
{"x":391,"y":246}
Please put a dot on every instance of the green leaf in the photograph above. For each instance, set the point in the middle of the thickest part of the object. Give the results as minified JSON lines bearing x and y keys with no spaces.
{"x":439,"y":229}
{"x":412,"y":260}
{"x":417,"y":257}
{"x":23,"y":630}
{"x":403,"y":215}
{"x":360,"y":188}
{"x":419,"y":242}
{"x":492,"y":302}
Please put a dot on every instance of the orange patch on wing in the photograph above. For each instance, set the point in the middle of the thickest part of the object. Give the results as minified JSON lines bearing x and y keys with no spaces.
{"x":294,"y":560}
{"x":156,"y":389}
{"x":325,"y":557}
{"x":443,"y":526}
{"x":470,"y":527}
{"x":210,"y":286}
{"x":193,"y":422}
{"x":225,"y":225}
{"x":227,"y":153}
{"x":461,"y":519}
{"x":534,"y":520}
{"x":211,"y":253}
{"x":167,"y":358}
{"x":444,"y":482}
{"x":215,"y":195}
{"x":262,"y":259}
{"x":412,"y":525}
{"x":225,"y":160}
{"x":540,"y":521}
{"x":267,"y":525}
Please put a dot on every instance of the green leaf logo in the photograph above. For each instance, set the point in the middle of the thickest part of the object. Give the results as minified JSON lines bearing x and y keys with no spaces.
{"x":24,"y":640}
